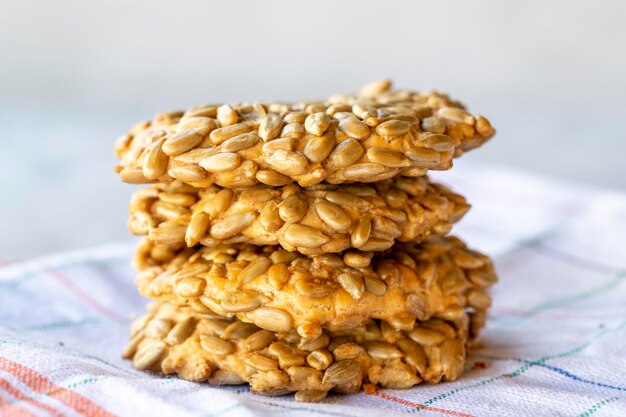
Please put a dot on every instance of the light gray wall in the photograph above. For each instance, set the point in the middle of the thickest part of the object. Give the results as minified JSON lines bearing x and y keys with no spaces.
{"x":74,"y":74}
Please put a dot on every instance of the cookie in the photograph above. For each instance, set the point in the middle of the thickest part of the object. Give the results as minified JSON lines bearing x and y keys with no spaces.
{"x":320,"y":219}
{"x":279,"y":290}
{"x":372,"y":136}
{"x":223,"y":351}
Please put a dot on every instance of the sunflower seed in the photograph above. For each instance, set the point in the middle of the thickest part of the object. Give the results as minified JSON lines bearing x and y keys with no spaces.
{"x":393,"y":128}
{"x":273,"y":319}
{"x":296,"y":117}
{"x":287,"y":360}
{"x":368,"y":172}
{"x":387,"y":157}
{"x":341,"y":372}
{"x":197,"y":228}
{"x":483,"y":126}
{"x":242,"y":300}
{"x":278,"y":275}
{"x":456,"y":115}
{"x":218,"y":136}
{"x":155,"y":162}
{"x":342,"y":115}
{"x":212,"y":304}
{"x":382,"y":350}
{"x":257,"y":341}
{"x":178,"y":199}
{"x":259,"y":361}
{"x":282,"y":256}
{"x":317,"y":123}
{"x":433,"y":124}
{"x":452,"y":358}
{"x":375,"y":88}
{"x":482,"y":277}
{"x":385,"y":227}
{"x":181,"y":331}
{"x":417,"y":306}
{"x":319,"y":147}
{"x":352,"y":283}
{"x":206,"y":124}
{"x":148,"y":356}
{"x":238,"y":330}
{"x":231,"y":225}
{"x":319,"y":359}
{"x":414,"y":355}
{"x":273,"y":178}
{"x":313,"y":288}
{"x":286,"y":144}
{"x":219,"y":203}
{"x":425,"y":158}
{"x":346,"y":199}
{"x":356,"y":260}
{"x":361,"y":233}
{"x":479,"y":298}
{"x":226,"y":115}
{"x":225,"y":377}
{"x":190,"y":287}
{"x":293,"y":131}
{"x":304,"y":236}
{"x":376,"y":245}
{"x":270,"y":217}
{"x":240,"y":142}
{"x":310,"y":396}
{"x":293,"y":208}
{"x":440,"y":143}
{"x":333,"y":215}
{"x":467,"y":260}
{"x":363,"y":111}
{"x":375,"y":286}
{"x":254,"y":269}
{"x":288,"y":162}
{"x":309,"y":330}
{"x":168,"y":234}
{"x":221,"y":162}
{"x":426,"y":337}
{"x":270,"y":126}
{"x":346,"y":153}
{"x":182,"y":142}
{"x":133,"y":176}
{"x":194,"y":156}
{"x":188,"y":173}
{"x":216,"y":346}
{"x":131,"y":348}
{"x":202,"y":111}
{"x":280,"y":348}
{"x":354,"y":128}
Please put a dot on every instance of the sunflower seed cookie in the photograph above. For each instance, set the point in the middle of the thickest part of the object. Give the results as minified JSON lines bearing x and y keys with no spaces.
{"x":223,"y":351}
{"x":321,"y":219}
{"x":371,"y":136}
{"x":279,"y":290}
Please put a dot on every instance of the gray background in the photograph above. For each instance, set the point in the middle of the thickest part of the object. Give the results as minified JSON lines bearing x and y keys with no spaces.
{"x":75,"y":74}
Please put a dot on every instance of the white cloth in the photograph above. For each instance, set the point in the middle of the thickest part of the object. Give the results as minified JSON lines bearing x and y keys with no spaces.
{"x":555,"y":342}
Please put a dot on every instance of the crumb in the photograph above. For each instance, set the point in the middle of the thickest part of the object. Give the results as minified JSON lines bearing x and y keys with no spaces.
{"x":369,"y":389}
{"x":479,"y":365}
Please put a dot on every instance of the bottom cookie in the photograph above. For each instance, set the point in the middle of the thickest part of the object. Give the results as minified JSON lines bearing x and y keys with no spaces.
{"x":224,"y":351}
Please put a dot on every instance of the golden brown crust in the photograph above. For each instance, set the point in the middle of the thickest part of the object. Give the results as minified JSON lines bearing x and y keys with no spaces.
{"x":375,"y":135}
{"x":320,"y":219}
{"x":279,"y":290}
{"x":230,"y":352}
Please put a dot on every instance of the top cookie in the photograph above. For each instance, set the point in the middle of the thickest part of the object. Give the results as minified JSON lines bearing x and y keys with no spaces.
{"x":370,"y":136}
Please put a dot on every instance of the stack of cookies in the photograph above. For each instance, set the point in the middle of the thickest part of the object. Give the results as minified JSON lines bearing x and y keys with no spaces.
{"x":300,"y":247}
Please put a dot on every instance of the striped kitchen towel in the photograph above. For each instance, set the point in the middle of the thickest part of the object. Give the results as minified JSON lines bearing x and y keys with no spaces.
{"x":555,"y":342}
